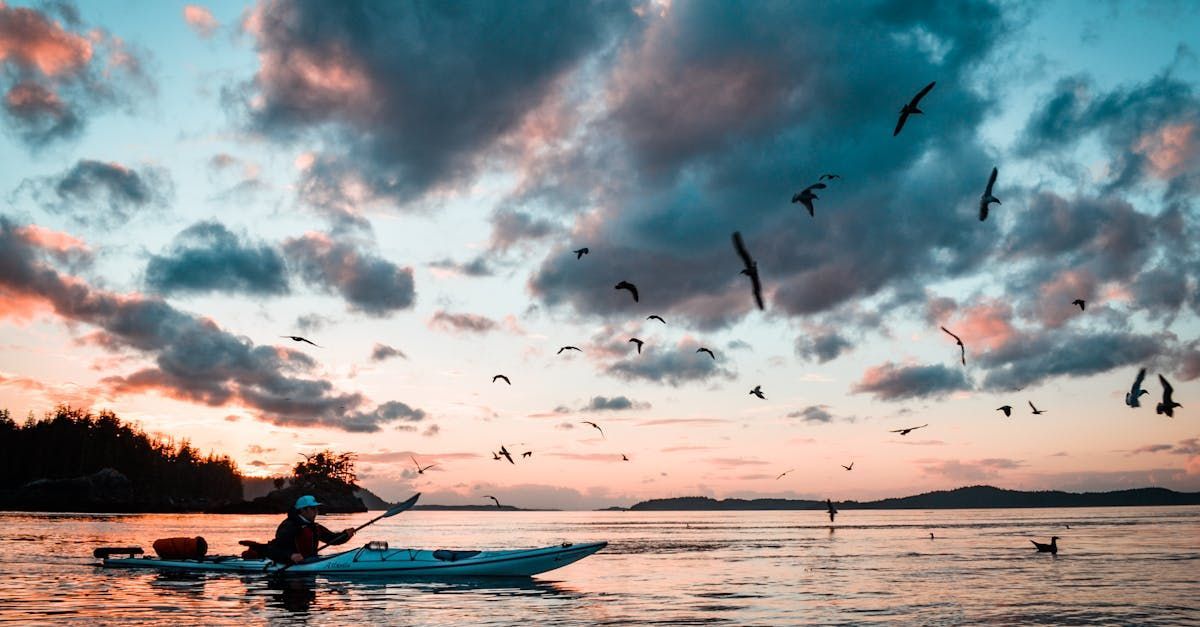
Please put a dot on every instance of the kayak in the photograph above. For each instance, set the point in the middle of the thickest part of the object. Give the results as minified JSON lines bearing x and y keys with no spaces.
{"x":376,"y":559}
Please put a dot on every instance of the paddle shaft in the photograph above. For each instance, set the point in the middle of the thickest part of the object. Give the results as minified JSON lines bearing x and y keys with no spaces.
{"x":391,"y":512}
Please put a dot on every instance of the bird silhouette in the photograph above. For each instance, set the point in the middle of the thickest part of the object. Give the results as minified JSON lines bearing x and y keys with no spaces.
{"x":831,"y":509}
{"x":911,"y":108}
{"x":500,"y":376}
{"x":757,"y":391}
{"x":784,"y":473}
{"x":907,"y":430}
{"x":1082,"y":303}
{"x":750,"y":269}
{"x":806,"y":196}
{"x":1167,"y":405}
{"x":494,"y":500}
{"x":1135,"y":391}
{"x":656,"y":317}
{"x":420,"y":470}
{"x":623,"y":458}
{"x":639,"y":344}
{"x":496,"y":456}
{"x":705,"y":350}
{"x":297,"y":338}
{"x":581,"y":252}
{"x":1047,"y":548}
{"x":962,"y":349}
{"x":829,"y":177}
{"x":527,"y":454}
{"x":506,"y":454}
{"x":588,"y":422}
{"x":626,"y":285}
{"x":850,"y":467}
{"x":987,"y":198}
{"x":1007,"y":409}
{"x":1036,"y":411}
{"x":568,"y":348}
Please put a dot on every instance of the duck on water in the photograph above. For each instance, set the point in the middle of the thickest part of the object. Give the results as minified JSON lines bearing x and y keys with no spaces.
{"x":1047,"y":548}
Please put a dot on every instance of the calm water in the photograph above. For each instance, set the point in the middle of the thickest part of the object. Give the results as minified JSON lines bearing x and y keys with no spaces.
{"x":1117,"y":566}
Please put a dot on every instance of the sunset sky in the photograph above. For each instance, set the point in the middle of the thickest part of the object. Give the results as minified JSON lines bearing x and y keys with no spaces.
{"x":403,"y":184}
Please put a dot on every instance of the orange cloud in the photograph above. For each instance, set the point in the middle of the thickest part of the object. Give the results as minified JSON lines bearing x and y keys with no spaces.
{"x":987,"y":325}
{"x":29,"y":39}
{"x":50,"y":239}
{"x":1169,"y":149}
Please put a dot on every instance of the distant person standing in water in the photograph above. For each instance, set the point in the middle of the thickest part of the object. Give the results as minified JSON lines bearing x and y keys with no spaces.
{"x":297,"y":537}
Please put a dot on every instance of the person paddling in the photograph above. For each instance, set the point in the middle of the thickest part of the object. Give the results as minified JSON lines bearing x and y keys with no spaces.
{"x":297,"y":537}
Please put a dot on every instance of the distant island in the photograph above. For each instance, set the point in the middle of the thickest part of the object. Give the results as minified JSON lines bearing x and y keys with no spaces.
{"x":971,"y":497}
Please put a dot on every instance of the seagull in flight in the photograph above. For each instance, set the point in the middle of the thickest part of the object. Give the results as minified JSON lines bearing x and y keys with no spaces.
{"x":420,"y":471}
{"x":569,"y":348}
{"x":1167,"y":405}
{"x":784,"y":473}
{"x":500,"y":376}
{"x":907,"y":430}
{"x":588,"y":422}
{"x":506,"y":454}
{"x":850,"y":467}
{"x":297,"y":338}
{"x":1135,"y":392}
{"x":527,"y":454}
{"x":1082,"y":303}
{"x":638,"y":342}
{"x":1036,"y":411}
{"x":831,"y":509}
{"x":757,"y":391}
{"x":961,"y":348}
{"x":656,"y":317}
{"x":581,"y":252}
{"x":494,"y":500}
{"x":750,"y":269}
{"x":911,"y":108}
{"x":806,"y":196}
{"x":626,"y":285}
{"x":705,"y":350}
{"x":829,"y":177}
{"x":1007,"y":409}
{"x":623,"y":458}
{"x":987,"y":198}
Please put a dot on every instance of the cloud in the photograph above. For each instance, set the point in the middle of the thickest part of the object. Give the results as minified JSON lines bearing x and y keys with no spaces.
{"x":510,"y":227}
{"x":461,"y":323}
{"x":823,"y":347}
{"x":672,"y":366}
{"x":978,"y":470}
{"x":1151,"y":448}
{"x":383,"y":352}
{"x":54,"y":74}
{"x":735,"y":462}
{"x":192,"y":359}
{"x":1035,"y":356}
{"x":200,"y":19}
{"x":370,"y":284}
{"x":659,"y":422}
{"x":102,"y":194}
{"x":208,"y":257}
{"x":813,"y":413}
{"x":475,"y":268}
{"x":312,"y":322}
{"x":892,"y":382}
{"x":616,"y":403}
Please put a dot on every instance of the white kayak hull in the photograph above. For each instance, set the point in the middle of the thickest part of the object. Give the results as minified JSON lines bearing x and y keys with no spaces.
{"x":387,"y":562}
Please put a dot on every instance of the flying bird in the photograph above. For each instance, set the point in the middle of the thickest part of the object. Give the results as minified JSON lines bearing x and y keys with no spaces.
{"x":987,"y":198}
{"x":831,"y":509}
{"x":495,"y":456}
{"x":568,"y":348}
{"x":1047,"y":548}
{"x":1007,"y":409}
{"x":638,"y":342}
{"x":750,"y":269}
{"x":494,"y":500}
{"x":850,"y":467}
{"x":907,"y":430}
{"x":1167,"y":405}
{"x":1036,"y":411}
{"x":829,"y":177}
{"x":588,"y":422}
{"x":911,"y":108}
{"x":297,"y":338}
{"x":506,"y":454}
{"x":623,"y":458}
{"x":626,"y":285}
{"x":656,"y":317}
{"x":757,"y":391}
{"x":961,"y":348}
{"x":500,"y":376}
{"x":806,"y":196}
{"x":705,"y":350}
{"x":784,"y":473}
{"x":1135,"y":392}
{"x":1082,"y":303}
{"x":527,"y":454}
{"x":581,"y":252}
{"x":420,"y":471}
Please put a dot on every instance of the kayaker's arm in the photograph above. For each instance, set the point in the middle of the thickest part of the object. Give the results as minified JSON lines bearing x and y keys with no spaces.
{"x":329,"y":537}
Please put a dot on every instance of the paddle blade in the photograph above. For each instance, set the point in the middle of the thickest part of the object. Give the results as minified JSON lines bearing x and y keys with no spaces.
{"x":400,"y":507}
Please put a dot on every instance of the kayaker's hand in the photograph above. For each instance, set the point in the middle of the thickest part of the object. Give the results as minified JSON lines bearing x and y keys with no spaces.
{"x":297,"y":558}
{"x":349,"y":533}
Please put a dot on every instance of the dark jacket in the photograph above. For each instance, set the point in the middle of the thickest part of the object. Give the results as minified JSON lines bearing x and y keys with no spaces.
{"x":297,"y":535}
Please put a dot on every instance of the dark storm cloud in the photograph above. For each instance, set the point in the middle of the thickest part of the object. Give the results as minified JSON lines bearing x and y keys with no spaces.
{"x":788,"y":94}
{"x":674,"y":367}
{"x":823,"y":347}
{"x":102,"y":194}
{"x":410,"y":92}
{"x":1030,"y":358}
{"x":383,"y":352}
{"x":369,"y":284}
{"x":193,"y":359}
{"x":56,"y":73}
{"x":616,"y":403}
{"x":892,"y":382}
{"x":208,"y":257}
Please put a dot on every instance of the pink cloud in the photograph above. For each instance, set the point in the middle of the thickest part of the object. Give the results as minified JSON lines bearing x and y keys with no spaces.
{"x":988,"y":325}
{"x":1054,"y":296}
{"x":1170,"y":149}
{"x":200,"y":19}
{"x":30,"y":40}
{"x":49,"y":239}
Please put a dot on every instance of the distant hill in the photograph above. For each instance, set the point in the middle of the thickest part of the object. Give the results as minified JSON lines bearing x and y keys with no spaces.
{"x":973,"y":497}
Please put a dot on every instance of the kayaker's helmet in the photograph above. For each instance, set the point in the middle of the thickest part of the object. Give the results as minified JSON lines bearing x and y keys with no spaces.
{"x":307,"y":500}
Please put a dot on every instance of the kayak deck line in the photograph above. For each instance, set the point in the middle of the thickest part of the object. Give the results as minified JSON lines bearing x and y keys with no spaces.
{"x":368,"y":560}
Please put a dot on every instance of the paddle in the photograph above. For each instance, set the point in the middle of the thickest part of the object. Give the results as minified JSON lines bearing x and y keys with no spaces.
{"x":399,"y":507}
